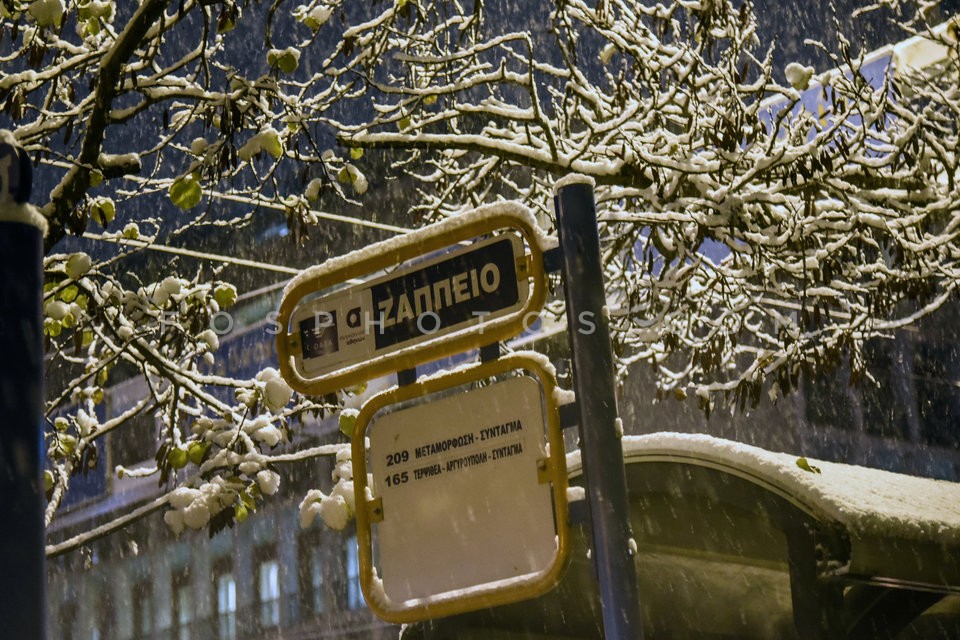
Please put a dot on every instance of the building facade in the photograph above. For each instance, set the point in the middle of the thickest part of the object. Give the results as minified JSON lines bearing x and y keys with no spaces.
{"x":263,"y":578}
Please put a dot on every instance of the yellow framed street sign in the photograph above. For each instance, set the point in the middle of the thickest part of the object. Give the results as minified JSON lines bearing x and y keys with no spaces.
{"x":467,"y":508}
{"x":481,"y":288}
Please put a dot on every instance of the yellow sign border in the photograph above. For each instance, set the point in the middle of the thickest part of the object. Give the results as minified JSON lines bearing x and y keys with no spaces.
{"x":396,"y":251}
{"x":368,"y":511}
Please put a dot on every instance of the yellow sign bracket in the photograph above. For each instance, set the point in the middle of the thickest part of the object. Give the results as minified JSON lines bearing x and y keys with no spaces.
{"x":506,"y":216}
{"x":375,"y":509}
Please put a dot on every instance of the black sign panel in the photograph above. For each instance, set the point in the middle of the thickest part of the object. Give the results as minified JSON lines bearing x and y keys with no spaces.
{"x":446,"y":295}
{"x":319,"y":336}
{"x":465,"y":287}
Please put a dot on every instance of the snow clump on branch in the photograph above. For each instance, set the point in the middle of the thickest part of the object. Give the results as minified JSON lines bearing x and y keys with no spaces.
{"x":276,"y":392}
{"x":339,"y":506}
{"x":267,"y":140}
{"x":193,"y":508}
{"x":798,"y":75}
{"x":47,"y":13}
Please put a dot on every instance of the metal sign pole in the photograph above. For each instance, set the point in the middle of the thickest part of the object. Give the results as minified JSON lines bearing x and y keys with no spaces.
{"x":600,"y":440}
{"x":22,"y":572}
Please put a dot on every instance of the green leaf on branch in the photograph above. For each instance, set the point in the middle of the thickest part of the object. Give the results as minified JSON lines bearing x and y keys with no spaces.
{"x":177,"y":457}
{"x":103,"y":211}
{"x":287,"y":60}
{"x":225,"y":295}
{"x":270,"y":141}
{"x":240,"y":512}
{"x":69,"y":293}
{"x":185,"y":192}
{"x":227,"y":21}
{"x":348,"y":421}
{"x":197,"y":452}
{"x":804,"y":464}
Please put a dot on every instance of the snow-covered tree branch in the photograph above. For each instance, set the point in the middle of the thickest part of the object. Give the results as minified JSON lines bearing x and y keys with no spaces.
{"x":759,"y":223}
{"x":828,"y":224}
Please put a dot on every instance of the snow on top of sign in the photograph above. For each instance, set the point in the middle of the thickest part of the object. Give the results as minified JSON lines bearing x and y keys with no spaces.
{"x":868,"y":502}
{"x":540,"y":359}
{"x":24,"y":214}
{"x":373,"y":387}
{"x":564,"y":396}
{"x":509,"y":208}
{"x":575,"y":494}
{"x":572,"y":178}
{"x":353,"y":402}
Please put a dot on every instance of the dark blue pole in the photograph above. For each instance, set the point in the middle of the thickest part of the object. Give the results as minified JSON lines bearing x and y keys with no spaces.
{"x":600,"y":441}
{"x":22,"y":572}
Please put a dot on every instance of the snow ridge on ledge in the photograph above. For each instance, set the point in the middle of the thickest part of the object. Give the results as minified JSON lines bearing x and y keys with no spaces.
{"x":868,"y":502}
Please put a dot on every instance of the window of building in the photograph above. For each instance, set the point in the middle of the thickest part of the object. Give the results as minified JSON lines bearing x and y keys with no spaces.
{"x":884,"y":401}
{"x":68,"y":620}
{"x":311,"y":577}
{"x":138,"y":441}
{"x":268,"y":589}
{"x":877,"y":405}
{"x":316,"y":580}
{"x":142,"y":610}
{"x":226,"y":605}
{"x":829,"y":399}
{"x":103,"y":620}
{"x":182,"y":596}
{"x":354,"y":595}
{"x":937,"y":381}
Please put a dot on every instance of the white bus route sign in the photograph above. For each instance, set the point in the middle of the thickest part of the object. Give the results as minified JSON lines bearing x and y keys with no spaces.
{"x":467,"y":504}
{"x":458,"y":480}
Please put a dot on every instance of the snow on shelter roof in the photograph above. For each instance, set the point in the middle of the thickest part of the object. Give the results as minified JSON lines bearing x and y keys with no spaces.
{"x":867,"y":502}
